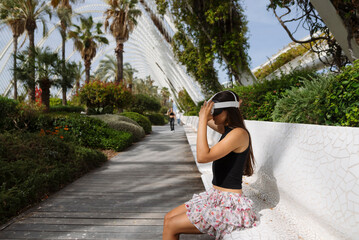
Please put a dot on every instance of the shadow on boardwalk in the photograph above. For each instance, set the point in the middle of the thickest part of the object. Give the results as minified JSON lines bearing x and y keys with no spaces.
{"x":127,"y":198}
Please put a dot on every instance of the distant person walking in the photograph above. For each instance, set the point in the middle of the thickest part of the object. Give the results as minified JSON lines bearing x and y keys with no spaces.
{"x":179,"y":115}
{"x":172,"y":115}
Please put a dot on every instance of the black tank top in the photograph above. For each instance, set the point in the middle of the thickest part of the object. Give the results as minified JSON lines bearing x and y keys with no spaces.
{"x":228,"y":170}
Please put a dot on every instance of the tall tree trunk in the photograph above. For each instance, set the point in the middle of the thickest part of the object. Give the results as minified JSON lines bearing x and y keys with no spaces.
{"x":15,"y":78}
{"x":64,"y":89}
{"x":77,"y":86}
{"x":119,"y":56}
{"x":64,"y":100}
{"x":87,"y":70}
{"x":32,"y":63}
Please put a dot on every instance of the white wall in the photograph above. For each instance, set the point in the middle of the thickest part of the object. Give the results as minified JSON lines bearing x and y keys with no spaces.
{"x":316,"y":167}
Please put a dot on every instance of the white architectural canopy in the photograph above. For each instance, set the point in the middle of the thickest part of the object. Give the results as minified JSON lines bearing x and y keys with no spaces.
{"x":146,"y":50}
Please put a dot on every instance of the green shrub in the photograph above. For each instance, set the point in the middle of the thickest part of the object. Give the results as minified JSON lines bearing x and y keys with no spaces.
{"x":114,"y":121}
{"x":30,"y":118}
{"x":104,"y":97}
{"x":32,"y":166}
{"x":185,"y":102}
{"x":8,"y":109}
{"x":157,"y":118}
{"x":67,"y":108}
{"x":191,"y":113}
{"x":140,"y":119}
{"x":55,"y":102}
{"x":91,"y":132}
{"x":144,"y":103}
{"x":305,"y":104}
{"x":343,"y":98}
{"x":260,"y":99}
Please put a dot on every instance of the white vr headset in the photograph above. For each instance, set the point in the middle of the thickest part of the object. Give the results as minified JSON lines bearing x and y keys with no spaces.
{"x":227,"y":104}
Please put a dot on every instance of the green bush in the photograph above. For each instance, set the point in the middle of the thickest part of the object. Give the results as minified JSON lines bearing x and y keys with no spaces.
{"x":191,"y":113}
{"x":185,"y":102}
{"x":305,"y":104}
{"x":115,"y":121}
{"x":8,"y":109}
{"x":140,"y":119}
{"x":343,"y":98}
{"x":144,"y":103}
{"x":55,"y":102}
{"x":32,"y":166}
{"x":91,"y":132}
{"x":104,"y":97}
{"x":260,"y":99}
{"x":157,"y":118}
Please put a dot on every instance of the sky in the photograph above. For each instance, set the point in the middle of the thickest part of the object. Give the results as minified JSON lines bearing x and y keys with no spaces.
{"x":266,"y":35}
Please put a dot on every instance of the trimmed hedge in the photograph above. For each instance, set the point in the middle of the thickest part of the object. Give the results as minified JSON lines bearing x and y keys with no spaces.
{"x":157,"y":118}
{"x":32,"y":166}
{"x":114,"y":121}
{"x":140,"y":119}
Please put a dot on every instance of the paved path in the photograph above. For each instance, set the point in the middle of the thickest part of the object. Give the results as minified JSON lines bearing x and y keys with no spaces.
{"x":125,"y":199}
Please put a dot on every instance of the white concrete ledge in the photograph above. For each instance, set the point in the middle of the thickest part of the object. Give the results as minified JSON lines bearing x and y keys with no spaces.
{"x":306,"y":183}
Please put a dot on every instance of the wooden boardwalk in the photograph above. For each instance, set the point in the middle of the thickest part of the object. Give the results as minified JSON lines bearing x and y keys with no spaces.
{"x":127,"y":198}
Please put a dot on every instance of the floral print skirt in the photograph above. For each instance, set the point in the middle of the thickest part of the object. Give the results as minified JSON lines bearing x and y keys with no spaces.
{"x":218,"y":213}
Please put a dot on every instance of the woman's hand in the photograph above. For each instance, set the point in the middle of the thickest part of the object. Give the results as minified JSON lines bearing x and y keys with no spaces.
{"x":205,"y":112}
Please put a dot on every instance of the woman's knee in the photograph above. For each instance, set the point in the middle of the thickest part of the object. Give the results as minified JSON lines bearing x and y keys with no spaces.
{"x":168,"y":221}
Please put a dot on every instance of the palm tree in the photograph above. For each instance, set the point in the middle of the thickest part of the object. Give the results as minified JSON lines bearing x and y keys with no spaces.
{"x":165,"y":95}
{"x":30,"y":12}
{"x":107,"y":69}
{"x":86,"y":38}
{"x":17,"y":26}
{"x":79,"y":71}
{"x":68,"y":71}
{"x":129,"y":73}
{"x":64,"y":13}
{"x":123,"y":14}
{"x":47,"y":69}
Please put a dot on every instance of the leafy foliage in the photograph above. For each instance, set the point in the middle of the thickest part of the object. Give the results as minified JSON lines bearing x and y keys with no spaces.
{"x":143,"y":121}
{"x":32,"y":166}
{"x":342,"y":99}
{"x":157,"y":118}
{"x":92,"y":133}
{"x":209,"y":31}
{"x":281,"y":60}
{"x":119,"y":123}
{"x":260,"y":99}
{"x":8,"y":108}
{"x":144,"y":103}
{"x":104,"y":97}
{"x":305,"y":104}
{"x":185,"y":102}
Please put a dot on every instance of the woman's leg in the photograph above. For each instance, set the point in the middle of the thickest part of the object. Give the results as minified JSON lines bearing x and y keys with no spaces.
{"x":176,"y":222}
{"x":173,"y":124}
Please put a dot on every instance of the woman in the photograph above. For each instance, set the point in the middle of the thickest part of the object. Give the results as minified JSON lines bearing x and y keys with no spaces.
{"x":223,"y":208}
{"x":172,"y":118}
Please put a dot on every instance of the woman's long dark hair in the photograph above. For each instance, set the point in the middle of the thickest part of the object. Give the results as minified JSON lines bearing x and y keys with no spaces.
{"x":235,"y":119}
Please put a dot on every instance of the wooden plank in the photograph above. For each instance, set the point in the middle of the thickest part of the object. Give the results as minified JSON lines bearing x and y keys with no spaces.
{"x":98,"y":215}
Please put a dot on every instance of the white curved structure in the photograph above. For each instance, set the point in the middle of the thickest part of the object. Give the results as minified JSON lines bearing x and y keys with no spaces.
{"x":146,"y":50}
{"x":306,"y":180}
